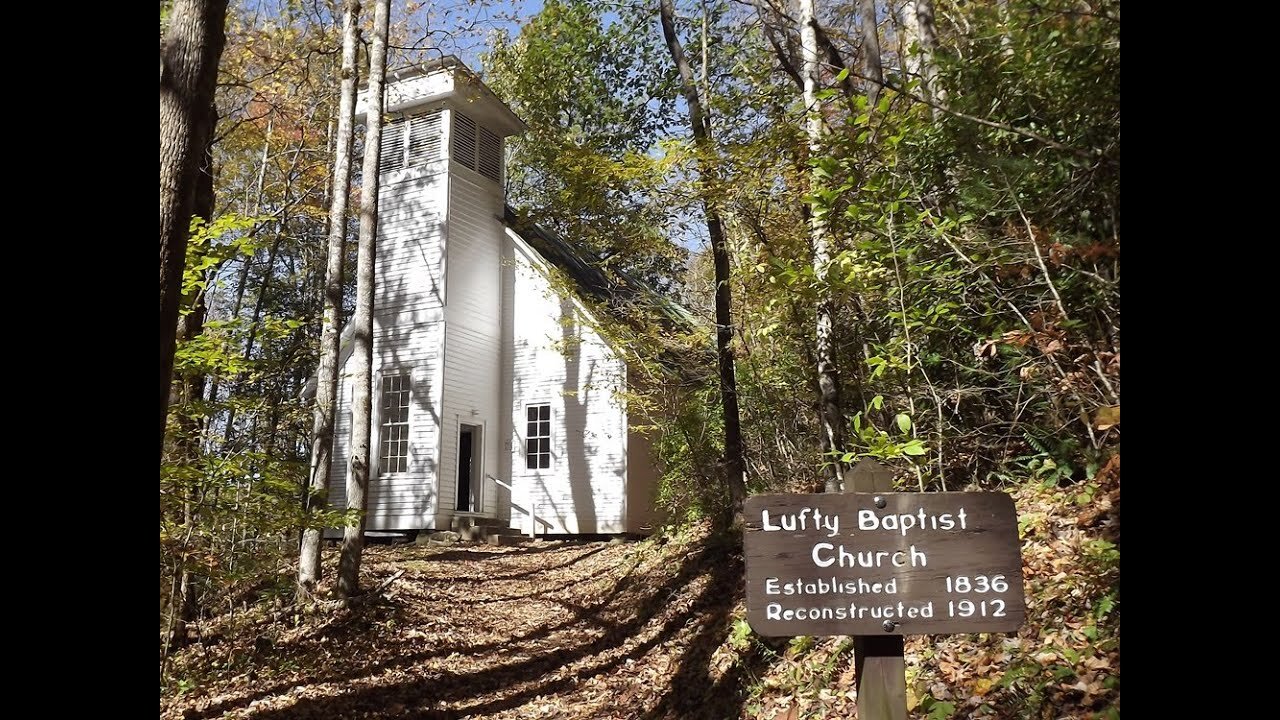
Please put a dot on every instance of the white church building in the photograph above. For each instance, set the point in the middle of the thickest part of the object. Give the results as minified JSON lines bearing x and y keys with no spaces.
{"x":494,"y":397}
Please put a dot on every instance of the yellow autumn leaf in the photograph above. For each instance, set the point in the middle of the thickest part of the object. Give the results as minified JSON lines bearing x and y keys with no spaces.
{"x":1106,"y":417}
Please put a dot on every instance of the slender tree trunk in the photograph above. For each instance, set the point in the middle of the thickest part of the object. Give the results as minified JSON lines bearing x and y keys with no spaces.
{"x":779,"y":38}
{"x":906,"y":34}
{"x":230,"y":438}
{"x":191,"y":325}
{"x":734,"y":465}
{"x":189,"y":58}
{"x":927,"y":40}
{"x":1006,"y":42}
{"x":362,"y":337}
{"x":248,"y":262}
{"x":191,"y":389}
{"x":331,"y":329}
{"x":870,"y":51}
{"x":830,"y":409}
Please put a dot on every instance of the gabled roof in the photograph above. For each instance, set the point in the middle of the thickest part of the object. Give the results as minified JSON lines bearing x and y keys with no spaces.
{"x":616,"y":290}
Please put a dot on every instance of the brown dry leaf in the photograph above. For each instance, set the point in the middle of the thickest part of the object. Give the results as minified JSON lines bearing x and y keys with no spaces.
{"x":791,"y":713}
{"x":590,"y":631}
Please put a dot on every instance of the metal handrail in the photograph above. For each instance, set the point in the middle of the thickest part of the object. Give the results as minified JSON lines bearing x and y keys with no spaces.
{"x":533,"y":519}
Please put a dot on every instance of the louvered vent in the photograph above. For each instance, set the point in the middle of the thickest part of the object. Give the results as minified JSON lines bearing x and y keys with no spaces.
{"x":490,"y":162}
{"x":424,"y":138}
{"x":464,"y":140}
{"x":392,"y":156}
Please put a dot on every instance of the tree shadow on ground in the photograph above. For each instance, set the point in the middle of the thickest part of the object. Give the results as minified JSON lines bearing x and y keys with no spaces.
{"x":605,"y":634}
{"x":575,"y":559}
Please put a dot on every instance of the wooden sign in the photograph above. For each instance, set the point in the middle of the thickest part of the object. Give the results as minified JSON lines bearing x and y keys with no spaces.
{"x":883,"y":563}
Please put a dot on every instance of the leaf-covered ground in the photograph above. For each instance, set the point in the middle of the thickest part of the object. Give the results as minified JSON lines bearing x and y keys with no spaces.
{"x":652,"y":630}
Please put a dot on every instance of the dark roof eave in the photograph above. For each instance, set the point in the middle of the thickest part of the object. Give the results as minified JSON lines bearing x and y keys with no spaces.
{"x":618,"y":295}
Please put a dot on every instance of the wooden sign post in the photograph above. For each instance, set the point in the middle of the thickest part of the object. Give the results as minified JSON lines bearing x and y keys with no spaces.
{"x":879,"y":662}
{"x":878,"y":565}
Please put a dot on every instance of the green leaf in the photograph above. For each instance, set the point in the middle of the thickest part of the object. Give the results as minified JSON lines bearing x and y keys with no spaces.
{"x":904,"y":422}
{"x":1104,"y":607}
{"x":942,"y":711}
{"x":915,"y":447}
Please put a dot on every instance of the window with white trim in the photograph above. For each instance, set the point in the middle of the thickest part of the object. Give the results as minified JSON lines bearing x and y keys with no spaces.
{"x":537,"y":438}
{"x":393,"y":428}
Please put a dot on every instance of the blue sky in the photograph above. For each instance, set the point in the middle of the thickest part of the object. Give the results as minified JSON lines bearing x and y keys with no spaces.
{"x":465,"y":28}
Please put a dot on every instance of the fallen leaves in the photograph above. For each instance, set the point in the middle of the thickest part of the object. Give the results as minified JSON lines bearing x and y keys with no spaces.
{"x":548,"y":630}
{"x":595,"y":631}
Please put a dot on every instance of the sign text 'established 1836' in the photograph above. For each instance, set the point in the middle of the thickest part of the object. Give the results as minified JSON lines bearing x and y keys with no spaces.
{"x":876,"y":563}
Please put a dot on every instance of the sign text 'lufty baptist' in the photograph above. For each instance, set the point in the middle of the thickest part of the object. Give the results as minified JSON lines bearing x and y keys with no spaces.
{"x":875,"y":563}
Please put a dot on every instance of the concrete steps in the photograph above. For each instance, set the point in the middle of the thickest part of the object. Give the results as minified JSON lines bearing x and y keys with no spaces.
{"x":472,"y":529}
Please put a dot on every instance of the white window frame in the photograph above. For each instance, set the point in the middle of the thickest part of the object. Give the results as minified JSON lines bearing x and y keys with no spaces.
{"x":407,"y":423}
{"x":549,"y":453}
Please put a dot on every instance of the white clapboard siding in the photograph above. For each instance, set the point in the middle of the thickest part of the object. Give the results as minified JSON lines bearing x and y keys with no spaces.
{"x":406,"y":500}
{"x":466,"y":309}
{"x":411,"y":231}
{"x":341,"y":445}
{"x":473,"y":339}
{"x":557,"y":358}
{"x":409,"y":335}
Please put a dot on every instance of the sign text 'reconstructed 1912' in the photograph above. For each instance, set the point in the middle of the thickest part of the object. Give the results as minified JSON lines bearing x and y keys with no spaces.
{"x":877,"y":563}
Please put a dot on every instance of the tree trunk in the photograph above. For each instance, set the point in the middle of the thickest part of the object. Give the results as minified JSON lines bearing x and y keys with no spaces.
{"x":327,"y":374}
{"x":733,"y":455}
{"x":870,"y":51}
{"x":362,"y":336}
{"x":779,"y":38}
{"x":830,"y":409}
{"x":245,"y":266}
{"x":191,"y":389}
{"x":189,"y":58}
{"x":927,"y":40}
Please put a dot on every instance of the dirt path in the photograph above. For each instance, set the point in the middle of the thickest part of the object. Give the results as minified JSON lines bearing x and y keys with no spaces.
{"x":598,"y":631}
{"x":546,"y":630}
